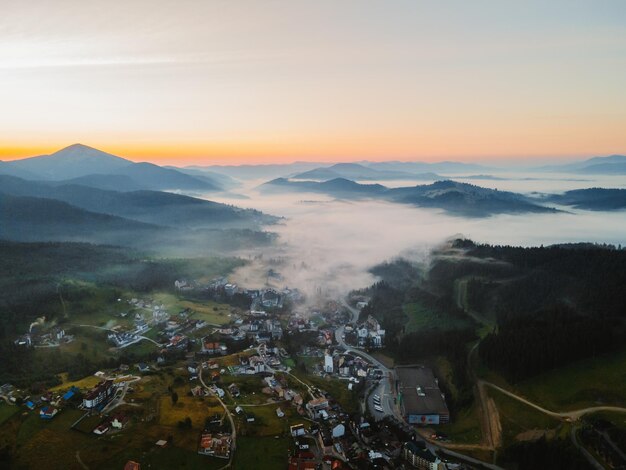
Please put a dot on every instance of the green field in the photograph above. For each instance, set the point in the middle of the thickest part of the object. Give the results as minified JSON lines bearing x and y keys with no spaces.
{"x":591,"y":382}
{"x":261,"y":453}
{"x":421,"y":317}
{"x":209,"y":311}
{"x":6,"y":411}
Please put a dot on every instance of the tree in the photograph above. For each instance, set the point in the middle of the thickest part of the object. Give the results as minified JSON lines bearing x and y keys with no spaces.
{"x":174,"y":397}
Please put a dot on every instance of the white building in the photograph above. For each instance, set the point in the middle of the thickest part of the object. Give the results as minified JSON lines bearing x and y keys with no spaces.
{"x":328,"y":364}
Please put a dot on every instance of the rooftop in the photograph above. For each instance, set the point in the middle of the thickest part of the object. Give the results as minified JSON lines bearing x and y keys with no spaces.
{"x":420,"y":392}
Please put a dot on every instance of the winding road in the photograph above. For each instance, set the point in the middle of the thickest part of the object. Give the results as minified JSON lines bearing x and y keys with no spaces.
{"x":230,"y":418}
{"x":573,"y":415}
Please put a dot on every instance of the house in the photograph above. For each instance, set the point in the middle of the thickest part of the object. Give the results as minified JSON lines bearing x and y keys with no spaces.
{"x":119,"y":421}
{"x":101,"y":429}
{"x":250,"y":418}
{"x":338,"y":431}
{"x":233,"y":390}
{"x":131,"y":465}
{"x":271,"y":299}
{"x":182,"y":284}
{"x":215,"y":445}
{"x":280,"y":413}
{"x":48,"y":412}
{"x":328,"y":364}
{"x":297,"y":430}
{"x":316,"y":406}
{"x":362,"y":333}
{"x":212,"y":348}
{"x":230,"y":289}
{"x":70,"y":394}
{"x":178,"y":342}
{"x":143,"y":367}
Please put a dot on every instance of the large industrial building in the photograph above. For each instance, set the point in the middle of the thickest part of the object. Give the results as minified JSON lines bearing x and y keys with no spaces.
{"x":419,"y":396}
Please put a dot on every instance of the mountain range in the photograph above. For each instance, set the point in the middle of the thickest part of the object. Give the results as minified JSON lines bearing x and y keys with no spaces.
{"x":611,"y":165}
{"x":369,"y":170}
{"x":456,"y":198}
{"x":155,"y":207}
{"x":355,"y":171}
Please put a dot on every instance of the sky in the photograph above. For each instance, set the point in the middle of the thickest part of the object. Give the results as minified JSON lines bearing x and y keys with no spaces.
{"x":190,"y":82}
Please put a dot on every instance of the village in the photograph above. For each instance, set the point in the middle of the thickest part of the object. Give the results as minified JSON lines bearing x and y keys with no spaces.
{"x":279,"y":367}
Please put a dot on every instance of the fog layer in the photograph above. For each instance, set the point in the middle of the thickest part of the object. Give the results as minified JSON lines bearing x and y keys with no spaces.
{"x":327,"y":245}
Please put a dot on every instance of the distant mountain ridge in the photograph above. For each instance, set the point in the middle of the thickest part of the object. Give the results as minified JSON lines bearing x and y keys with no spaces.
{"x":355,"y":171}
{"x":91,"y":166}
{"x":454,"y":197}
{"x":155,"y":207}
{"x":295,"y":169}
{"x":612,"y":164}
{"x":33,"y":219}
{"x":597,"y":199}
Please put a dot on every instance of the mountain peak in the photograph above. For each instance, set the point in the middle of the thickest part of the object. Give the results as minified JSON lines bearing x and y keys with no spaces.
{"x":81,"y":152}
{"x":71,"y":162}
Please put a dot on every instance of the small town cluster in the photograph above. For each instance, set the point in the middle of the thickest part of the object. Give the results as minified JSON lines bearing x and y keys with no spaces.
{"x":313,"y":367}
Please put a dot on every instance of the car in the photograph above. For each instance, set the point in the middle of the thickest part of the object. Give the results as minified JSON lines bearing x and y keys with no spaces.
{"x":376,"y":402}
{"x":376,"y":397}
{"x":378,"y":408}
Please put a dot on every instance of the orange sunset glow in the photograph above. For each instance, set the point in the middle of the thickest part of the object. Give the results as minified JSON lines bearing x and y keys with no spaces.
{"x":319,"y":81}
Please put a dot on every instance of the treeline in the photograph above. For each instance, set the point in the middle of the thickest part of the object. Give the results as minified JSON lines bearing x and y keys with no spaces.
{"x":36,"y":278}
{"x":29,"y":367}
{"x":552,"y":305}
{"x":522,"y":347}
{"x":590,"y":278}
{"x":544,"y":455}
{"x":386,"y":306}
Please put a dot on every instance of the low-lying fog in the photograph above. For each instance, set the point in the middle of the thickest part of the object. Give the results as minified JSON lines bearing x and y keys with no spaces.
{"x":328,"y":245}
{"x":524,"y":183}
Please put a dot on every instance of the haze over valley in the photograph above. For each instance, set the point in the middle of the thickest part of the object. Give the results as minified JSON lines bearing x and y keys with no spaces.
{"x":354,"y":235}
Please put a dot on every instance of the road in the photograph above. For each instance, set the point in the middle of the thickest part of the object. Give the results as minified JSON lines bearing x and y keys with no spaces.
{"x":385,"y":390}
{"x":572,"y":415}
{"x":230,"y":418}
{"x":384,"y":387}
{"x":120,"y":394}
{"x":590,"y":458}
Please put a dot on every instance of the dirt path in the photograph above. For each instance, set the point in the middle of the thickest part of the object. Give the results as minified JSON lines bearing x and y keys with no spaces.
{"x":573,"y":415}
{"x":230,"y":418}
{"x":80,"y":462}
